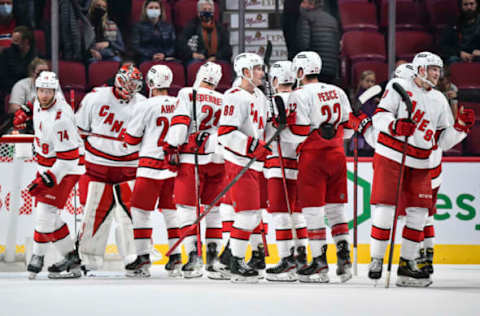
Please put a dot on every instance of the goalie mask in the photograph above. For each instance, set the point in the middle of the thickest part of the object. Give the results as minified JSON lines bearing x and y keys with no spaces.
{"x":282,"y":71}
{"x":128,"y":81}
{"x":310,"y":62}
{"x":425,"y":60}
{"x":210,"y":73}
{"x":159,"y":77}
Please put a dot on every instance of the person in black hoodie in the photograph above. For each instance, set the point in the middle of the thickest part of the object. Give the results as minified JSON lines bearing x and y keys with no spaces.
{"x":203,"y":38}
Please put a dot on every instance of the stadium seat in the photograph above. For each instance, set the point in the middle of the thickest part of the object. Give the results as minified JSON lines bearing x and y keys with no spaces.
{"x":380,"y":69}
{"x":359,"y":45}
{"x":40,"y":44}
{"x":472,"y":142}
{"x":465,"y":75}
{"x":410,"y":14}
{"x":225,"y":82}
{"x":186,"y":10}
{"x":441,"y":12}
{"x":72,"y":75}
{"x":77,"y":97}
{"x":358,"y":16}
{"x":177,"y":70}
{"x":100,"y":72}
{"x":408,"y":43}
{"x":137,"y":6}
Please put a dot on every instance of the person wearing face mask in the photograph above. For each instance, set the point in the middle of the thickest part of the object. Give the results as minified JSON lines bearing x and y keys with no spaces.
{"x":461,"y":42}
{"x":153,"y":38}
{"x":203,"y":38}
{"x":108,"y":39}
{"x":7,"y":23}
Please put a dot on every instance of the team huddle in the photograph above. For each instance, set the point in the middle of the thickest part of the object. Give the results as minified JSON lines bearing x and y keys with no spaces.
{"x":227,"y":158}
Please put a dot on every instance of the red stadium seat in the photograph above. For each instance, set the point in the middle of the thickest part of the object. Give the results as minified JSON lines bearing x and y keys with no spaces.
{"x":465,"y":75}
{"x":40,"y":44}
{"x":137,"y":6}
{"x":186,"y":10}
{"x":442,"y":12}
{"x":100,"y":72}
{"x":77,"y":97}
{"x":72,"y":75}
{"x":225,"y":82}
{"x":408,"y":43}
{"x":410,"y":14}
{"x":379,"y":68}
{"x":359,"y":45}
{"x":358,"y":16}
{"x":472,"y":142}
{"x":177,"y":70}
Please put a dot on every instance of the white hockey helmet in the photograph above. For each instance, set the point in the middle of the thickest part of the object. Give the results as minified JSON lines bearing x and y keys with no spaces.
{"x":47,"y":80}
{"x":424,"y":60}
{"x":404,"y":71}
{"x":210,"y":73}
{"x":282,"y":70}
{"x":159,"y":77}
{"x":310,"y":62}
{"x":248,"y":61}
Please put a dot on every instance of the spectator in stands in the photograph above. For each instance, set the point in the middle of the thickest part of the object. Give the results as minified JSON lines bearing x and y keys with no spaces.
{"x":291,"y":13}
{"x":7,"y":23}
{"x":120,"y":11}
{"x":108,"y":39}
{"x":153,"y":38}
{"x":461,"y":42}
{"x":318,"y":31}
{"x":446,"y":86}
{"x":15,"y":59}
{"x":203,"y":39}
{"x":24,"y":90}
{"x":24,"y":12}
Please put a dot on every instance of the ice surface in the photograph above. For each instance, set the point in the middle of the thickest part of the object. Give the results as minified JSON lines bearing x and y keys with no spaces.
{"x":455,"y":291}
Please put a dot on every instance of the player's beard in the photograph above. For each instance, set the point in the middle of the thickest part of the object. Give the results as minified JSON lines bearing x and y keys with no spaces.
{"x":46,"y":105}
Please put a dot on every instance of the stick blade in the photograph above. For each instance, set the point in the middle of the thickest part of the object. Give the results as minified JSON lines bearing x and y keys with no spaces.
{"x":280,"y":105}
{"x":369,"y":93}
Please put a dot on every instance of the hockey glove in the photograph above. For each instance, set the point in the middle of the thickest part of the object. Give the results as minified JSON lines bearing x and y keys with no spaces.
{"x":402,"y":127}
{"x":465,"y":120}
{"x":42,"y":182}
{"x":22,"y":116}
{"x":257,"y":148}
{"x":359,"y":123}
{"x":171,"y":157}
{"x":196,"y":142}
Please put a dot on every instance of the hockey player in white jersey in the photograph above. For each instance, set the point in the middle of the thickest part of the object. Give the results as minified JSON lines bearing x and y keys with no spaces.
{"x":58,"y":147}
{"x":429,"y":124}
{"x":319,"y":125}
{"x":146,"y":130}
{"x":292,"y":252}
{"x":192,"y":133}
{"x":241,"y":133}
{"x":110,"y":166}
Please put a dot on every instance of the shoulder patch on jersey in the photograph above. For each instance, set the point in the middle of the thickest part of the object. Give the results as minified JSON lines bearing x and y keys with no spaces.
{"x":59,"y":115}
{"x":234,"y":91}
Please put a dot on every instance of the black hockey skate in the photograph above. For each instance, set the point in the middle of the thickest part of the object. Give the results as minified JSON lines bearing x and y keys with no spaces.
{"x":344,"y":265}
{"x":223,"y":264}
{"x":193,"y":268}
{"x":257,"y":261}
{"x":408,"y":275}
{"x":213,"y":263}
{"x":174,"y":265}
{"x":425,"y":261}
{"x":284,"y":271}
{"x":68,"y":268}
{"x":140,"y":268}
{"x":375,"y":269}
{"x":301,"y":257}
{"x":242,"y":272}
{"x":35,"y":266}
{"x":317,"y":271}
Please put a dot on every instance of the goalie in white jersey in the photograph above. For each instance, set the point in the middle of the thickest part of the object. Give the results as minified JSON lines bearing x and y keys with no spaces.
{"x":429,"y":125}
{"x":58,"y":147}
{"x":146,"y":131}
{"x":292,"y":252}
{"x":103,"y":117}
{"x":196,"y":133}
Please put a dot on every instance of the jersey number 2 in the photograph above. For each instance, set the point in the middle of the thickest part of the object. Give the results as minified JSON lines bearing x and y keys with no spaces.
{"x":162,"y":121}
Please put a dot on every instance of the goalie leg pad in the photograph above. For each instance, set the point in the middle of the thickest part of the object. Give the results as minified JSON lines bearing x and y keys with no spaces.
{"x":412,"y":233}
{"x":317,"y":236}
{"x":381,"y":225}
{"x":96,"y":224}
{"x":124,"y":229}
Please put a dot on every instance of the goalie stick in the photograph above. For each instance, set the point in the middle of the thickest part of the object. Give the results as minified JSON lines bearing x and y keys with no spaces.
{"x":406,"y":99}
{"x":364,"y":97}
{"x":282,"y":124}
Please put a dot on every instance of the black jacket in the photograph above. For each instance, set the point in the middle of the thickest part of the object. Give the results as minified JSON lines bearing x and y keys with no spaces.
{"x":149,"y":39}
{"x":194,"y":28}
{"x":13,"y":66}
{"x":460,"y":37}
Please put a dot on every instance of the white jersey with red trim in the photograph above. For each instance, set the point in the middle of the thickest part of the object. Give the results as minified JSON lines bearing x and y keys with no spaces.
{"x":272,"y":168}
{"x":147,"y":130}
{"x":58,"y":145}
{"x":101,"y":112}
{"x":315,"y":104}
{"x":243,"y":120}
{"x":432,"y":123}
{"x":208,"y":110}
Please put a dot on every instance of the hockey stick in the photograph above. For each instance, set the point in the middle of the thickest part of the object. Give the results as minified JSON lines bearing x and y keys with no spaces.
{"x":282,"y":125}
{"x":364,"y":97}
{"x":406,"y":99}
{"x":72,"y":104}
{"x":197,"y":177}
{"x":86,"y":134}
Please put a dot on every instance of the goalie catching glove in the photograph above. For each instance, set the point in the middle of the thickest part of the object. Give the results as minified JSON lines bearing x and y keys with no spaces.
{"x":42,"y":182}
